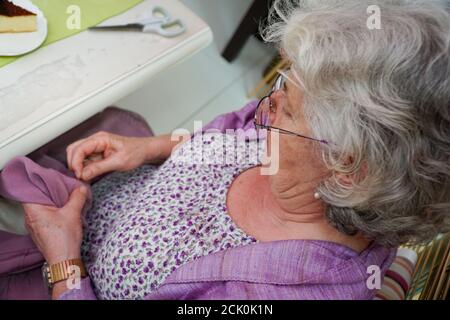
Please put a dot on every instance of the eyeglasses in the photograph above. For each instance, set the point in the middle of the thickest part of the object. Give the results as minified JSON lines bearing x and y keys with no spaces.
{"x":265,"y":112}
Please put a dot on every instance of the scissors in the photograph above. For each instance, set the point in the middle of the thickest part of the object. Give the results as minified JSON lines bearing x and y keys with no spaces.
{"x":160,"y":23}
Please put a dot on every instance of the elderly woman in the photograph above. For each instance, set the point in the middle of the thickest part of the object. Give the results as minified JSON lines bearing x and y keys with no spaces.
{"x":359,"y":128}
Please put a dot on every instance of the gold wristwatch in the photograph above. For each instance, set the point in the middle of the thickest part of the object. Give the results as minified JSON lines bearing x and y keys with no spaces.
{"x":63,"y":270}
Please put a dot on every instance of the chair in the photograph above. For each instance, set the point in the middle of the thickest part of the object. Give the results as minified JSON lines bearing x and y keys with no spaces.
{"x":419,"y":272}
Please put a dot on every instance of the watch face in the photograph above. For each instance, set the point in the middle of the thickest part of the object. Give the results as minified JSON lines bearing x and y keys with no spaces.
{"x":46,"y":275}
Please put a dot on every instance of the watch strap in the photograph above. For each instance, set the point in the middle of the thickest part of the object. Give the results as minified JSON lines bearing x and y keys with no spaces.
{"x":63,"y":270}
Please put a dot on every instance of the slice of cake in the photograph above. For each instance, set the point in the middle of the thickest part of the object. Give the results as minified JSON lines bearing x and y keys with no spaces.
{"x":16,"y":19}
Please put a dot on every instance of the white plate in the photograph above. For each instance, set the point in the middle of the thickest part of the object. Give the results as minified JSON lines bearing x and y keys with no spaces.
{"x":14,"y":44}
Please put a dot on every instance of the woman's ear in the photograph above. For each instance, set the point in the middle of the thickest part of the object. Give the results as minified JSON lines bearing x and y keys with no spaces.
{"x":344,"y":179}
{"x":355,"y":173}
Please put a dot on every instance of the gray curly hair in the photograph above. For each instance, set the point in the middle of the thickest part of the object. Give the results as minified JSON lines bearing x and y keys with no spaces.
{"x":383,"y":97}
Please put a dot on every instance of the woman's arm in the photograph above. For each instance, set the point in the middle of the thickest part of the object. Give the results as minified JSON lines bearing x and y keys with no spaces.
{"x":105,"y":152}
{"x":160,"y":148}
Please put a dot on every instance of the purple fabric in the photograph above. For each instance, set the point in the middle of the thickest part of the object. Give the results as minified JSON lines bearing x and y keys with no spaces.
{"x":295,"y":269}
{"x":20,"y":274}
{"x":291,"y":269}
{"x":241,"y":119}
{"x":26,"y":181}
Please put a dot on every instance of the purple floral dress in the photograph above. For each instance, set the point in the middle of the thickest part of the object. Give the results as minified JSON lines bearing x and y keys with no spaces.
{"x":146,"y":223}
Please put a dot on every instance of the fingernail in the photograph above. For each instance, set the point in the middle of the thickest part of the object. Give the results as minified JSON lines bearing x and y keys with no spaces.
{"x":83,"y":189}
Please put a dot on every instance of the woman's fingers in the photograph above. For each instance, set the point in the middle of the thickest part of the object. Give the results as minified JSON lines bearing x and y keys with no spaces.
{"x":83,"y":151}
{"x":69,"y":152}
{"x":99,"y":136}
{"x":97,"y":168}
{"x":77,"y":199}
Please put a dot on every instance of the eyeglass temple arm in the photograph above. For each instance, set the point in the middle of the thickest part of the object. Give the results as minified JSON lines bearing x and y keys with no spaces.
{"x":290,"y":132}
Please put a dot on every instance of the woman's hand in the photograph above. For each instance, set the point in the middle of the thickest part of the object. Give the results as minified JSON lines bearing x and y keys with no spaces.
{"x":105,"y":152}
{"x":57,"y":232}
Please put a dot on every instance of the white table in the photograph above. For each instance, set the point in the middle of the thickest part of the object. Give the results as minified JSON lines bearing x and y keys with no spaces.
{"x":51,"y":90}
